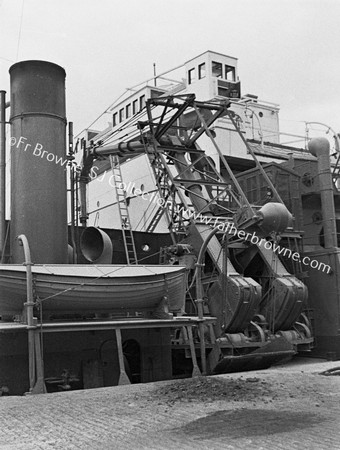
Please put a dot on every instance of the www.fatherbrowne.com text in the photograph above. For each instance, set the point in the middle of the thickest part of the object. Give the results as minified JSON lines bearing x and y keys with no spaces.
{"x":227,"y":227}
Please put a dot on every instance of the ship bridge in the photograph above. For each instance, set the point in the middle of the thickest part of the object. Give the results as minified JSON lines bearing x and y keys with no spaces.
{"x":210,"y":75}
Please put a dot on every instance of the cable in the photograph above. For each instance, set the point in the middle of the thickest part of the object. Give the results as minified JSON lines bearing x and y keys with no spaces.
{"x":19,"y":37}
{"x":6,"y":59}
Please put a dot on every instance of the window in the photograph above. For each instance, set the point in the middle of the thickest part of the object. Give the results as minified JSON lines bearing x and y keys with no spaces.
{"x":128,"y":110}
{"x":229,"y":73}
{"x":216,"y":69}
{"x":223,"y":92}
{"x":114,"y":119}
{"x":141,"y":102}
{"x":121,"y":115}
{"x":135,"y":107}
{"x":201,"y":71}
{"x":191,"y":76}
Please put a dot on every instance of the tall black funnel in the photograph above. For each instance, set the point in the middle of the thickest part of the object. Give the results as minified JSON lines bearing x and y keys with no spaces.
{"x":38,"y":161}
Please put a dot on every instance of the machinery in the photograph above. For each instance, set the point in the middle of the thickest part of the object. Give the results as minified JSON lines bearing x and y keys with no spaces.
{"x":261,"y":308}
{"x":243,"y":297}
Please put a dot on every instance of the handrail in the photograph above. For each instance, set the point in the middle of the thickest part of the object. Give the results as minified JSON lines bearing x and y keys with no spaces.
{"x":29,"y":305}
{"x":29,"y":281}
{"x":335,"y":135}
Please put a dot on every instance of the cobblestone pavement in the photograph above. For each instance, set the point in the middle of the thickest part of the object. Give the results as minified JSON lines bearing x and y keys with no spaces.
{"x":290,"y":407}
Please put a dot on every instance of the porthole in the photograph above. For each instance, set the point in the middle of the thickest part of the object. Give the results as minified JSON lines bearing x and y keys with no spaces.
{"x":307,"y":179}
{"x":145,"y":248}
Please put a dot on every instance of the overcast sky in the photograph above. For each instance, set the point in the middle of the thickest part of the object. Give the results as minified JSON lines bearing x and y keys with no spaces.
{"x":288,"y":50}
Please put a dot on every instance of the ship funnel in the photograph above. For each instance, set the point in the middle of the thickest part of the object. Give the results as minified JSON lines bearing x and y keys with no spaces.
{"x":38,"y":161}
{"x":96,"y":246}
{"x":319,"y":147}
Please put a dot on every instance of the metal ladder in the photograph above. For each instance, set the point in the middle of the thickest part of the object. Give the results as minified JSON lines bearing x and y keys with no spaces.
{"x":129,"y":243}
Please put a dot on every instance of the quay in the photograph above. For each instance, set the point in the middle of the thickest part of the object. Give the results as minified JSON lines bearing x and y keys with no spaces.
{"x":291,"y":406}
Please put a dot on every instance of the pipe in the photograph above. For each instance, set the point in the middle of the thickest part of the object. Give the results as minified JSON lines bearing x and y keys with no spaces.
{"x":29,"y":305}
{"x":83,"y":180}
{"x":2,"y":172}
{"x":121,"y":149}
{"x":72,"y":192}
{"x":320,"y":148}
{"x":96,"y":246}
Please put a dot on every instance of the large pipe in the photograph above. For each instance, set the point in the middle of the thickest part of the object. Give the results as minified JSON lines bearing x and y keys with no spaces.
{"x":319,"y":147}
{"x":72,"y":192}
{"x":121,"y":149}
{"x":38,"y":161}
{"x":2,"y":172}
{"x":96,"y":246}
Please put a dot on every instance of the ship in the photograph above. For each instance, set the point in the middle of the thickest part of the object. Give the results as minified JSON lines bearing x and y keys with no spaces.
{"x":185,"y":179}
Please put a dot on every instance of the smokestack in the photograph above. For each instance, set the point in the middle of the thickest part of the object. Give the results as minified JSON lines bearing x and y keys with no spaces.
{"x":38,"y":161}
{"x":319,"y":147}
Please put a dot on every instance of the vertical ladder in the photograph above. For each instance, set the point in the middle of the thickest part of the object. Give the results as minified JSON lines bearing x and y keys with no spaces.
{"x":129,"y":243}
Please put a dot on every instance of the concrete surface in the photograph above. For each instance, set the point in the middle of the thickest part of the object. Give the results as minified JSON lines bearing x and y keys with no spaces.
{"x":286,"y":407}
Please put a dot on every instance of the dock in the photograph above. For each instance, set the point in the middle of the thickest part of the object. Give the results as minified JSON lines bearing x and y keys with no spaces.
{"x":292,"y":406}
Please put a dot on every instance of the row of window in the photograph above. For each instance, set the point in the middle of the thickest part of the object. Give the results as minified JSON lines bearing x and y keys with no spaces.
{"x":218,"y":70}
{"x":192,"y":73}
{"x":129,"y":110}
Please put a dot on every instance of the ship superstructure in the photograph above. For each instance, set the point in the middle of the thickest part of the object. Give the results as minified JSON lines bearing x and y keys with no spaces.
{"x":197,"y":240}
{"x":210,"y":76}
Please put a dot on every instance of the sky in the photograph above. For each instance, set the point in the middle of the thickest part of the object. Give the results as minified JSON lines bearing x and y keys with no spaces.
{"x":288,"y":50}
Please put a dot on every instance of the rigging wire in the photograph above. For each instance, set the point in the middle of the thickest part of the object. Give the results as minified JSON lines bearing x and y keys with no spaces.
{"x":143,"y":218}
{"x":6,"y":59}
{"x":101,"y":115}
{"x":133,"y":88}
{"x":20,"y":28}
